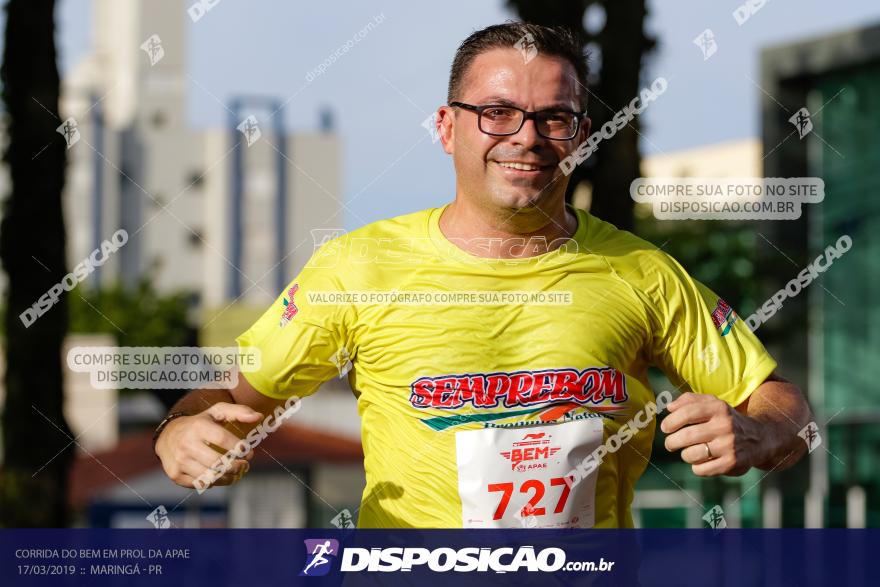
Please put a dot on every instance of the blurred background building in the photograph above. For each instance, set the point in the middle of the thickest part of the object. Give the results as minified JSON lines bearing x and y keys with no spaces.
{"x":236,"y":205}
{"x":837,"y":79}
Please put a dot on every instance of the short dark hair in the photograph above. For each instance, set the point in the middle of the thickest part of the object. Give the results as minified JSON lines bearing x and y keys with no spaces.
{"x":556,"y":41}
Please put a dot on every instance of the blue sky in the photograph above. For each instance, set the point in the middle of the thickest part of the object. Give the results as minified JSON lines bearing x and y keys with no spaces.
{"x":391,"y":80}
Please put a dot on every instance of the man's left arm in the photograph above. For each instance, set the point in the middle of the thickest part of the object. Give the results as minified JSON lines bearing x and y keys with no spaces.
{"x":762,"y":432}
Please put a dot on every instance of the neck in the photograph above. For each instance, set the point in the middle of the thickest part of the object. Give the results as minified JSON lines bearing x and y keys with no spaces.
{"x":504,"y":234}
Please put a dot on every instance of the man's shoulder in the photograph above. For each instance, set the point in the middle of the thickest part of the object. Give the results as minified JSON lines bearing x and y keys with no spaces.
{"x":632,"y":257}
{"x":606,"y":239}
{"x":367,"y":246}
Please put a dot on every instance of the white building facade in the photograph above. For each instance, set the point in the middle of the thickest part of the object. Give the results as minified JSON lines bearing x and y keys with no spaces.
{"x":205,"y":211}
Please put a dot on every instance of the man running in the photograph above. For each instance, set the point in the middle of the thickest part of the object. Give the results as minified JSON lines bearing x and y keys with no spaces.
{"x":319,"y":553}
{"x":497,"y":341}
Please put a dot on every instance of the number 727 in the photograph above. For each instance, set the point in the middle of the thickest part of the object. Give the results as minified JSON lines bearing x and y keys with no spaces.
{"x":532,"y":507}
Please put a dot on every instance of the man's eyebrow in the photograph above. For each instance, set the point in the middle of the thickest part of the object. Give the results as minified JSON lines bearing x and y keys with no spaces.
{"x":502,"y":101}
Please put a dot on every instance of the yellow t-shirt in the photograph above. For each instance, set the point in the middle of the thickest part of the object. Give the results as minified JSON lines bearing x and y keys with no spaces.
{"x":476,"y":377}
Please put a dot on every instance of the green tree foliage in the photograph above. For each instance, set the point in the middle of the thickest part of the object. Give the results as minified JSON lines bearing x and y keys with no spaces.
{"x":137,"y":316}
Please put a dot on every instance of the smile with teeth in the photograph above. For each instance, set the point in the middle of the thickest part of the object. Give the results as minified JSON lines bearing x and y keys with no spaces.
{"x":520,"y":166}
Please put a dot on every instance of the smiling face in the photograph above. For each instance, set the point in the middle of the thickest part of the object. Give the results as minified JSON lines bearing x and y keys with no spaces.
{"x":516,"y":173}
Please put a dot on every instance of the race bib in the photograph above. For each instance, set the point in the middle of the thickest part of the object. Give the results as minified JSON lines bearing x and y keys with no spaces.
{"x":515,"y":477}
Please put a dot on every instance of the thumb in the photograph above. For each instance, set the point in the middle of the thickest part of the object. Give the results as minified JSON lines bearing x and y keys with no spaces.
{"x":225,"y":412}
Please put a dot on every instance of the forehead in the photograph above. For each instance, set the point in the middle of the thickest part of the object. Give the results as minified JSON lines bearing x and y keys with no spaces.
{"x":544,"y":81}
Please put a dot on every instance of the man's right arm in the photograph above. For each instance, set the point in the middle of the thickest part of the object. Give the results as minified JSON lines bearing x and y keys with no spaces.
{"x":216,"y":420}
{"x":296,"y":342}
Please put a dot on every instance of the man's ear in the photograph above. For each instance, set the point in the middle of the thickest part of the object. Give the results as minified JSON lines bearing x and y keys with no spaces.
{"x":444,"y":125}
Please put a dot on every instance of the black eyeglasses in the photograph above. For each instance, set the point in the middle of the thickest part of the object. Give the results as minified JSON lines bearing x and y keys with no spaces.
{"x":502,"y":120}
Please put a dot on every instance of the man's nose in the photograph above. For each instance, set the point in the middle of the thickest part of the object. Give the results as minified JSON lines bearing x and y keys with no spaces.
{"x":528,"y":135}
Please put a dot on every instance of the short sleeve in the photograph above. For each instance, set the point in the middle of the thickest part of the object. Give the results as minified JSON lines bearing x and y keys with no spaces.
{"x":698,"y":340}
{"x":301,"y":344}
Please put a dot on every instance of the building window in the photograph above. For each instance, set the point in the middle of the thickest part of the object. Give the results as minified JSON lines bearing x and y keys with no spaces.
{"x":196,"y":179}
{"x":196,"y":238}
{"x":158,"y":119}
{"x":157,"y":200}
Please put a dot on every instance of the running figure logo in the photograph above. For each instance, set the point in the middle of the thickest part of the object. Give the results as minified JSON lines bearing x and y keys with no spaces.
{"x":250,"y":129}
{"x":801,"y":121}
{"x":706,"y":42}
{"x":318,"y":552}
{"x":153,"y":48}
{"x":70,"y":131}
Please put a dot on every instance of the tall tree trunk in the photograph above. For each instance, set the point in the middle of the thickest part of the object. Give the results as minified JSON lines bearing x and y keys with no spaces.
{"x":622,"y":44}
{"x":36,"y":439}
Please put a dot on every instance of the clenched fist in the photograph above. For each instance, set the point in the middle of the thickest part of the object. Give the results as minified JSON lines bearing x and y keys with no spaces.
{"x":713,"y":437}
{"x":190,"y":446}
